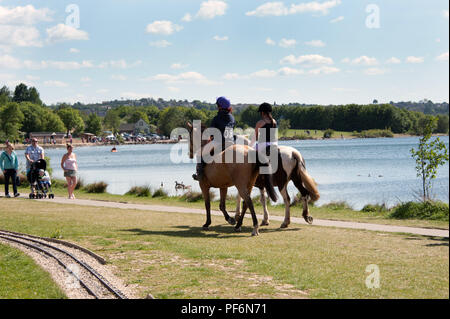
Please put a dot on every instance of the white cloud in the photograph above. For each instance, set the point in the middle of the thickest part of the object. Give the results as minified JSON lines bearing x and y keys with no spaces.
{"x":375,"y":71}
{"x":32,"y":77}
{"x":211,"y":9}
{"x":62,"y":32}
{"x":187,"y":18}
{"x":269,"y":41}
{"x":312,"y":59}
{"x":57,"y":84}
{"x":324,"y":70}
{"x":160,"y":44}
{"x":316,"y":43}
{"x":178,"y":66}
{"x":136,"y":95}
{"x":232,"y":76}
{"x":279,"y":9}
{"x":119,"y":64}
{"x":73,"y":50}
{"x":287,"y":43}
{"x":85,"y":79}
{"x":118,"y":77}
{"x":173,"y":89}
{"x":338,"y":19}
{"x":11,"y":62}
{"x":362,"y":60}
{"x":61,"y":65}
{"x":20,"y":36}
{"x":264,"y":74}
{"x":344,"y":90}
{"x":27,"y":15}
{"x":163,"y":27}
{"x":186,"y":77}
{"x":218,"y":38}
{"x":393,"y":60}
{"x":286,"y":71}
{"x":414,"y":59}
{"x":442,"y":57}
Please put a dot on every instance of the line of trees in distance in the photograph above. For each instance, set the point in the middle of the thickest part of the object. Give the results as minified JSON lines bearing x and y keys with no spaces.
{"x":22,"y":112}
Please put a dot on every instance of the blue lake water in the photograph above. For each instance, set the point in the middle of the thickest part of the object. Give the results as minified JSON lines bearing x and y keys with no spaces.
{"x":358,"y":171}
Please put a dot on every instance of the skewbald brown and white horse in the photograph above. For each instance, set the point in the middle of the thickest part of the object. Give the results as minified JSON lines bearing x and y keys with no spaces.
{"x":293,"y":169}
{"x":242,"y":175}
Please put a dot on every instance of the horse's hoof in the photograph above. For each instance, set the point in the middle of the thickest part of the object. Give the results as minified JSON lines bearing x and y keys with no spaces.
{"x":232,"y":221}
{"x":238,"y":230}
{"x":309,"y":219}
{"x":255,"y":232}
{"x":284,"y":225}
{"x":205,"y":227}
{"x":264,"y":223}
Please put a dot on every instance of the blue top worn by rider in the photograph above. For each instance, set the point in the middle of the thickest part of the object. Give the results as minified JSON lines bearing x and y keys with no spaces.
{"x":224,"y":121}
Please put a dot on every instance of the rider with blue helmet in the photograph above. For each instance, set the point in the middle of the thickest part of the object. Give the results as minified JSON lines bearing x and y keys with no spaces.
{"x":224,"y":121}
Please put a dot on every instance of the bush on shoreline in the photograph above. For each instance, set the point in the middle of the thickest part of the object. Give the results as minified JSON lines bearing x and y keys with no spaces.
{"x":373,"y":134}
{"x":140,"y":191}
{"x":96,"y":188}
{"x":375,"y":208}
{"x":421,"y":210}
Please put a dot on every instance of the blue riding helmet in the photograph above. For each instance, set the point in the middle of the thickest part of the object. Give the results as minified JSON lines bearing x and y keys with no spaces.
{"x":223,"y":103}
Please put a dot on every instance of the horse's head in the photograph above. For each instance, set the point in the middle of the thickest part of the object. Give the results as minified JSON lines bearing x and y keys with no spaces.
{"x":192,"y":129}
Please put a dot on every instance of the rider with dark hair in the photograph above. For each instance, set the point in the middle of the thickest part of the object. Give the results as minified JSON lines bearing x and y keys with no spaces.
{"x":267,"y":123}
{"x":224,"y":121}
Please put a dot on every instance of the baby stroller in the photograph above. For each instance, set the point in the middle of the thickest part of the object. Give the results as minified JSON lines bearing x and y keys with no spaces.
{"x":37,"y":189}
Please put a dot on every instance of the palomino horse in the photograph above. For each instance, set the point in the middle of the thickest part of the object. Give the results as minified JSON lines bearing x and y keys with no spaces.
{"x":222,"y":175}
{"x":292,"y":168}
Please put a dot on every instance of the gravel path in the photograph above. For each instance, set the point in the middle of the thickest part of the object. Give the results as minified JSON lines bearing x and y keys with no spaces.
{"x":317,"y":222}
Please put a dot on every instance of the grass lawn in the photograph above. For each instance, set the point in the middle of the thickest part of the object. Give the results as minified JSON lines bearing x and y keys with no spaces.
{"x":316,"y":212}
{"x":169,"y":256}
{"x":21,"y":278}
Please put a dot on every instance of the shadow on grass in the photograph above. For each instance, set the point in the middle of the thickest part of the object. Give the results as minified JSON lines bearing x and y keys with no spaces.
{"x":441,"y":241}
{"x":219,"y":231}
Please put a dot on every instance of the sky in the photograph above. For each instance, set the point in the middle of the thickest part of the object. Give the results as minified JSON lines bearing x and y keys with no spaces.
{"x":252,"y":51}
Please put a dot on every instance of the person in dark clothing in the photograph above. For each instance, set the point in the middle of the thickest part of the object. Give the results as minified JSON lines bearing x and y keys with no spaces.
{"x":225,"y":123}
{"x":267,"y":123}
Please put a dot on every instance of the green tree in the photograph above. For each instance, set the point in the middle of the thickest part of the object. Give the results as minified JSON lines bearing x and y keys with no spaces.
{"x":112,"y":121}
{"x":431,"y":154}
{"x":24,"y":94}
{"x":283,"y":126}
{"x":11,"y":120}
{"x":442,"y":124}
{"x":5,"y":95}
{"x":71,"y":119}
{"x":94,"y":124}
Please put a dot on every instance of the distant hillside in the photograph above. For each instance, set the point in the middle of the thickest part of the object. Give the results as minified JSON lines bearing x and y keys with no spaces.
{"x":425,"y":106}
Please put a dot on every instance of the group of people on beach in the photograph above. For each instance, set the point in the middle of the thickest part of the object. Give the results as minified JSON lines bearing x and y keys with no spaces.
{"x":9,"y":165}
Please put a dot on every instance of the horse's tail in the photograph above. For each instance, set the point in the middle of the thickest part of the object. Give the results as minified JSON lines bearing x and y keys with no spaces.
{"x":301,"y":176}
{"x":268,"y":178}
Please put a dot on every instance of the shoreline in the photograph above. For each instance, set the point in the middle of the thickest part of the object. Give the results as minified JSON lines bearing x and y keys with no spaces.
{"x":79,"y":144}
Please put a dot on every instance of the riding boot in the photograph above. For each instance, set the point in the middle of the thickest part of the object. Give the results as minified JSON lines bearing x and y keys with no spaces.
{"x":199,"y":175}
